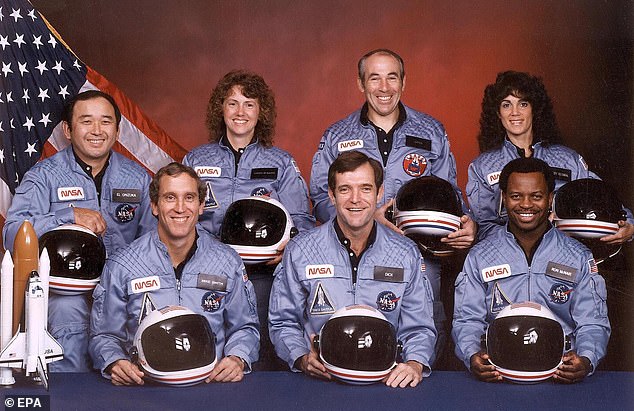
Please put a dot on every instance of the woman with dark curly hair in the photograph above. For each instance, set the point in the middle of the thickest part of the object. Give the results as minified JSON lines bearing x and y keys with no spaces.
{"x":517,"y":120}
{"x":240,"y":161}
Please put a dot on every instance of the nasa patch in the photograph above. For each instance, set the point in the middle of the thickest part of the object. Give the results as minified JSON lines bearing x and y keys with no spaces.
{"x":496,"y":272}
{"x":125,"y":213}
{"x":319,"y":271}
{"x":493,"y":178}
{"x":414,"y":164}
{"x":210,"y":198}
{"x":559,"y":293}
{"x":260,"y":192}
{"x":145,"y":284}
{"x":70,"y":193}
{"x":349,"y":145}
{"x":211,"y":301}
{"x":387,"y":301}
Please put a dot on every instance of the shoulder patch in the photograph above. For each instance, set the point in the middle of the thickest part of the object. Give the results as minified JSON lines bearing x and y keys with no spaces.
{"x":594,"y":269}
{"x":294,"y":163}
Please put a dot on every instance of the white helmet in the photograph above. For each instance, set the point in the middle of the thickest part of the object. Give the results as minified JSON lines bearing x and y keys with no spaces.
{"x":256,"y":227}
{"x":427,"y":209}
{"x":174,"y":345}
{"x":588,"y":209}
{"x":77,"y":258}
{"x":525,"y":343}
{"x":358,"y":345}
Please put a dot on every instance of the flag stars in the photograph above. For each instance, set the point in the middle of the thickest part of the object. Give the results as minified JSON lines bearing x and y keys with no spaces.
{"x":43,"y":94}
{"x":19,"y":40}
{"x":63,"y":91}
{"x":45,"y":119}
{"x":58,"y":67}
{"x":25,"y":96}
{"x":11,"y":124}
{"x":32,"y":14}
{"x":22,"y":68}
{"x":29,"y":123}
{"x":37,"y":41}
{"x":9,"y":98}
{"x":1,"y":151}
{"x":6,"y":69}
{"x":1,"y":15}
{"x":76,"y":64}
{"x":30,"y":149}
{"x":1,"y":129}
{"x":41,"y":65}
{"x":52,"y":41}
{"x":16,"y":14}
{"x":4,"y":41}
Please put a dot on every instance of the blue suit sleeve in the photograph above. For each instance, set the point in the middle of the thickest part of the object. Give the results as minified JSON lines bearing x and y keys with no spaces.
{"x":416,"y":325}
{"x":470,"y":312}
{"x":294,"y":195}
{"x":241,"y":321}
{"x":323,"y":158}
{"x":286,"y":308}
{"x":32,"y":202}
{"x":590,"y":314}
{"x":108,"y":332}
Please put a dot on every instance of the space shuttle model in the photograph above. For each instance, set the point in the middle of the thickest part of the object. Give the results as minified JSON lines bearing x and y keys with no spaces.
{"x":24,"y":305}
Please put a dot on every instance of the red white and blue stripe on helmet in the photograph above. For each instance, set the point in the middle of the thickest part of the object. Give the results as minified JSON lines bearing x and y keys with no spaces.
{"x":356,"y":377}
{"x":586,"y":228}
{"x":70,"y":286}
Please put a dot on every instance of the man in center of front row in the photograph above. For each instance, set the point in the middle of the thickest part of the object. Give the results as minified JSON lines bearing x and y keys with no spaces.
{"x":530,"y":260}
{"x":186,"y":266}
{"x":356,"y":255}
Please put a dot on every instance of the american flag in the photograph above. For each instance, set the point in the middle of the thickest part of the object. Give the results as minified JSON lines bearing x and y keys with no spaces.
{"x":38,"y":75}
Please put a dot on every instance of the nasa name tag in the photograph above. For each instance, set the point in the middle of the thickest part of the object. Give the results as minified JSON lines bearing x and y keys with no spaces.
{"x":142,"y":285}
{"x":264,"y":173}
{"x":349,"y":145}
{"x":320,"y":271}
{"x":496,"y":272}
{"x":561,"y":174}
{"x":70,"y":193}
{"x":493,"y":178}
{"x":561,"y":272}
{"x":390,"y":274}
{"x":212,"y":282}
{"x":123,"y":195}
{"x":418,"y":142}
{"x":208,"y":171}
